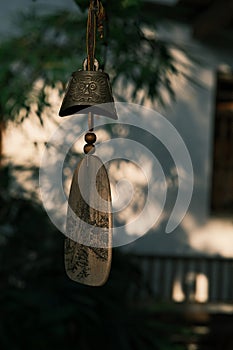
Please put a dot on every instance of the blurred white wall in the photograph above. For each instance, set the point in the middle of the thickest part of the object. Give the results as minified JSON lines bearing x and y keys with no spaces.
{"x":192,"y":116}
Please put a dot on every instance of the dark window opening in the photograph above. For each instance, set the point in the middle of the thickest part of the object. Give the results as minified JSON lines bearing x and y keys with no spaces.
{"x":222,"y":172}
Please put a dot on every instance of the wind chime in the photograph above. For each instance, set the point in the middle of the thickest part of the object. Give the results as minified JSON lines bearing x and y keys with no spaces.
{"x":88,"y":242}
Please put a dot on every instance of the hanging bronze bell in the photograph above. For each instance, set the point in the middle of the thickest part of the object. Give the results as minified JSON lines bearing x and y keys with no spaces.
{"x":89,"y":89}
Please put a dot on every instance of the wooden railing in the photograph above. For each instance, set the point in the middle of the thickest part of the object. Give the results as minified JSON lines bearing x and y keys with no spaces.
{"x":185,"y":279}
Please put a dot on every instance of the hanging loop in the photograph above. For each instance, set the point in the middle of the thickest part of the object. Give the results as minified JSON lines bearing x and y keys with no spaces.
{"x":95,"y":65}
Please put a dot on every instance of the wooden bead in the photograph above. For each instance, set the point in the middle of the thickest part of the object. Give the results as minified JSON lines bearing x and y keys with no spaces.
{"x":88,"y":148}
{"x":90,"y":138}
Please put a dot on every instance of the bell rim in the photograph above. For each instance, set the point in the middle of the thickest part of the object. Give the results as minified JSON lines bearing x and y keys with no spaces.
{"x":97,"y":109}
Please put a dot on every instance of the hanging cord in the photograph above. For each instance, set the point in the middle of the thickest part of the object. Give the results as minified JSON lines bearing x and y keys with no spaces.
{"x":90,"y":121}
{"x":96,"y":17}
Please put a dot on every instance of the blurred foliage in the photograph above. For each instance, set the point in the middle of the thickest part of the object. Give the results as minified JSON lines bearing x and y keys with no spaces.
{"x":42,"y":309}
{"x":50,"y":47}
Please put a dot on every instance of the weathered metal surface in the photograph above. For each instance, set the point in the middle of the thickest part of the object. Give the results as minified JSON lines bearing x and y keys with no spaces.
{"x":88,"y":250}
{"x":89,"y":89}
